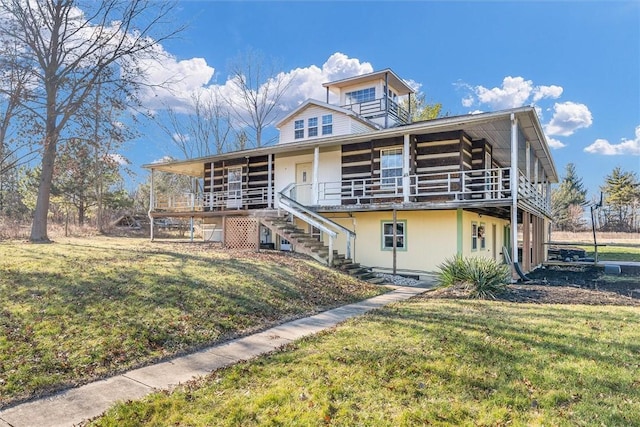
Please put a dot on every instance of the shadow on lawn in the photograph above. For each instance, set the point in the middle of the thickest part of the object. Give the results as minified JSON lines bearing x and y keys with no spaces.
{"x":112,"y":311}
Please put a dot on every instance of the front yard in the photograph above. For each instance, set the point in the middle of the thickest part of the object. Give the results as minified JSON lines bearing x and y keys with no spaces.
{"x":428,"y":361}
{"x":81,"y":309}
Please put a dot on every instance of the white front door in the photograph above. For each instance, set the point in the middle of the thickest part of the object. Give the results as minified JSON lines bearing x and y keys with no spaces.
{"x":303,"y":181}
{"x":234,"y":187}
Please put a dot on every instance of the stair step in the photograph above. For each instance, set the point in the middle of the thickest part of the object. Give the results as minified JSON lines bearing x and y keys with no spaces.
{"x":365,"y":276}
{"x":376,"y":280}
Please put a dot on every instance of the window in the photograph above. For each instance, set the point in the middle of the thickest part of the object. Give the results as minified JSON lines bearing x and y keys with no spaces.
{"x":362,"y":95}
{"x":298,"y":127}
{"x":387,"y":235}
{"x":313,"y":126}
{"x":327,"y":124}
{"x":391,"y":167}
{"x":481,"y":236}
{"x":474,"y":236}
{"x":234,"y":187}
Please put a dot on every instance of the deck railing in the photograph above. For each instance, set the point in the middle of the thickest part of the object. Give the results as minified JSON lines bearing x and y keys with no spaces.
{"x":461,"y":186}
{"x":377,"y":108}
{"x":188,"y":202}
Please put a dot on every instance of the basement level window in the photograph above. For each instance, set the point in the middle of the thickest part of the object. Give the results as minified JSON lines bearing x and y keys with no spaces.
{"x":387,"y":235}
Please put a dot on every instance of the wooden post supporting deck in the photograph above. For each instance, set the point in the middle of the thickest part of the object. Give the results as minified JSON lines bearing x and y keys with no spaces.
{"x":526,"y":241}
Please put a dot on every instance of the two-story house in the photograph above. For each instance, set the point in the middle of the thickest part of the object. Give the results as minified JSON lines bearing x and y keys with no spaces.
{"x":357,"y":179}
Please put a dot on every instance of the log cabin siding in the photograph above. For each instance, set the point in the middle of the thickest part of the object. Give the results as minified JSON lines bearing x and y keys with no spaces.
{"x":442,"y":152}
{"x":255,"y":175}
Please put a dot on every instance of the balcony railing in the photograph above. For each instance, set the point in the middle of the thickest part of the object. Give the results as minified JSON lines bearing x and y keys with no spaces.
{"x":228,"y":200}
{"x":486,"y":185}
{"x":377,"y":108}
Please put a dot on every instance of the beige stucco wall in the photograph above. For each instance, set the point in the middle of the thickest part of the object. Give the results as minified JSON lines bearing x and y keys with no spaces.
{"x":493,"y":244}
{"x":432,"y":237}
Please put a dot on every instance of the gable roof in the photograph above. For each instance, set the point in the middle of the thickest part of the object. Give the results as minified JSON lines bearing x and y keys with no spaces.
{"x":312,"y":102}
{"x":394,"y":81}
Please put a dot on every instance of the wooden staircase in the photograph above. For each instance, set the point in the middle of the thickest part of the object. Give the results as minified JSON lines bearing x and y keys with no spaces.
{"x":305,"y":243}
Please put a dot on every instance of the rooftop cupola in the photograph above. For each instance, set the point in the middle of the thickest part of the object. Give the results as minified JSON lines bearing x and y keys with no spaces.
{"x":376,"y":96}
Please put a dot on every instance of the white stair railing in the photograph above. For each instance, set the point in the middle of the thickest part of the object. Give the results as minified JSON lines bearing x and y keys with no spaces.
{"x":325,"y":225}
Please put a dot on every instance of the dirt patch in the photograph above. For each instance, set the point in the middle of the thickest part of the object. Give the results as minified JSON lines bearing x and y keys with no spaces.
{"x":566,"y":285}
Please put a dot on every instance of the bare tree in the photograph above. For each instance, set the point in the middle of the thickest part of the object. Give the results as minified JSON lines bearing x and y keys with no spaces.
{"x":15,"y":147}
{"x":204,"y":131}
{"x":68,"y":46}
{"x":257,"y":88}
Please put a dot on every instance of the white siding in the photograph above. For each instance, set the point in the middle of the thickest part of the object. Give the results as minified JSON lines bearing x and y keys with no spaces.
{"x":342,"y":124}
{"x":359,"y":127}
{"x":329,"y":169}
{"x":377,"y":83}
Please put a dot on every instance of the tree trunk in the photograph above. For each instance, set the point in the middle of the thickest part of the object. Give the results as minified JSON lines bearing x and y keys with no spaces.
{"x":81,"y":209}
{"x":40,"y":215}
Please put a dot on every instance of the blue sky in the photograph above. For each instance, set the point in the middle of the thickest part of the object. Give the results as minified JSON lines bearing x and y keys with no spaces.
{"x":577,"y":62}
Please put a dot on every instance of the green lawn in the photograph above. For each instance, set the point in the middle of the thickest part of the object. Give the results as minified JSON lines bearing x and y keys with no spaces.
{"x":614,"y":253}
{"x":80,"y":309}
{"x":427,"y":362}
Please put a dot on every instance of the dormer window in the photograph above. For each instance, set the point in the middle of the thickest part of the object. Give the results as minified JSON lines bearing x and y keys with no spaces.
{"x":360,"y":96}
{"x":313,"y":126}
{"x":327,"y":124}
{"x":298,"y":127}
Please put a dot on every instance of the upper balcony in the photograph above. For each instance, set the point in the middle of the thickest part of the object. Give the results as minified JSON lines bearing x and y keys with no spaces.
{"x":379,"y":108}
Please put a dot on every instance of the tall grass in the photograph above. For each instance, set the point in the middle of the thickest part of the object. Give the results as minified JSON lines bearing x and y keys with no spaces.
{"x":481,"y":277}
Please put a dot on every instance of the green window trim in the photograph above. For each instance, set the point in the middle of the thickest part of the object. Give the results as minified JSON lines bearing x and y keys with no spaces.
{"x":386,"y":235}
{"x":474,"y":236}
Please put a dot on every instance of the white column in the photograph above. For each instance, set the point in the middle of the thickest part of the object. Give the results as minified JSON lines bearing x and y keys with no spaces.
{"x":527,"y":159}
{"x":151,"y":203}
{"x":406,"y":169}
{"x":314,"y":184}
{"x":514,"y":188}
{"x":269,"y":181}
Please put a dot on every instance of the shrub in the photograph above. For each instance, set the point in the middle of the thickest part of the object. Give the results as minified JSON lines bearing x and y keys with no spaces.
{"x":482,"y":277}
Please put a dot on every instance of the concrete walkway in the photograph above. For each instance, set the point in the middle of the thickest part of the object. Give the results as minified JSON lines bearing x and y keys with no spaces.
{"x":79,"y":404}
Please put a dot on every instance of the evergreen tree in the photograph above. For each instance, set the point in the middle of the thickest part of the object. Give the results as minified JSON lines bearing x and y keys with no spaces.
{"x":566,"y":199}
{"x":622,"y":198}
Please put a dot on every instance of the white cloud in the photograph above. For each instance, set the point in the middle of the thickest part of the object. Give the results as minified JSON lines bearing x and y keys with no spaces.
{"x":541,"y":92}
{"x":567,"y":118}
{"x":118,"y":158}
{"x":554,"y":143}
{"x":413,"y":84}
{"x":514,"y":92}
{"x":627,"y":147}
{"x":180,"y":80}
{"x":307,"y":82}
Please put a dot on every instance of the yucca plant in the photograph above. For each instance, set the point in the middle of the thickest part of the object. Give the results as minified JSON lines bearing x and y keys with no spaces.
{"x":482,"y":277}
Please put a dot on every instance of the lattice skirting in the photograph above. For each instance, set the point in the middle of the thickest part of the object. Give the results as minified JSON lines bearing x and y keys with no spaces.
{"x":241,"y":233}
